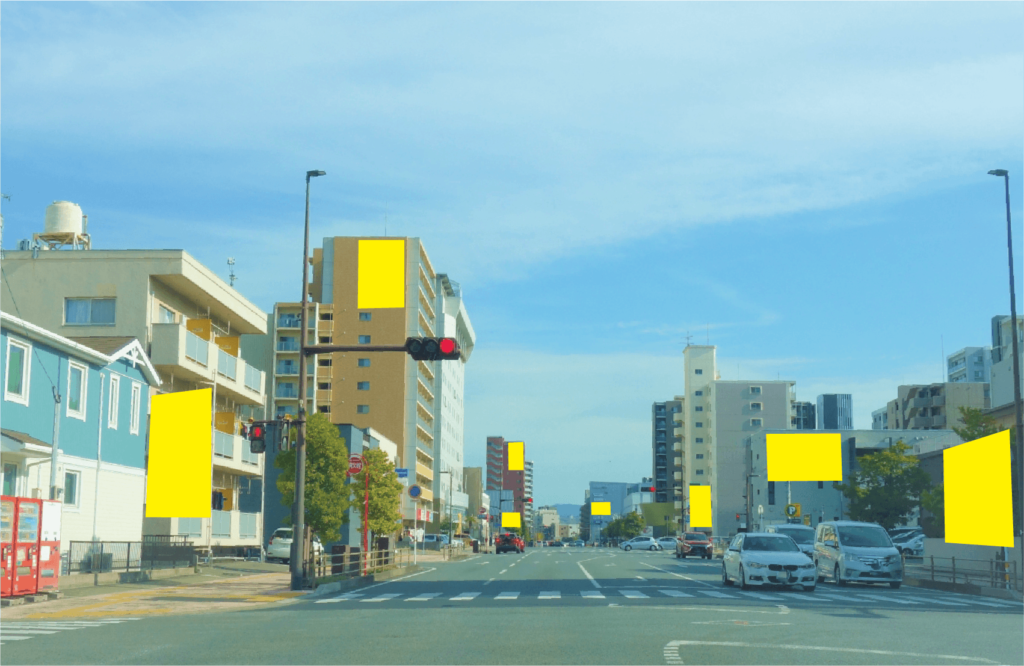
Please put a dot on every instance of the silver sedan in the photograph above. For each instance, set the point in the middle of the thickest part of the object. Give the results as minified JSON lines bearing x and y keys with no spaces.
{"x":766,"y":559}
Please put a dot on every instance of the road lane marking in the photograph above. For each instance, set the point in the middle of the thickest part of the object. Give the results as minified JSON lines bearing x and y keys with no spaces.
{"x":928,"y":658}
{"x":641,"y":578}
{"x":634,"y":594}
{"x":591,"y":594}
{"x":837,"y":597}
{"x":935,"y":601}
{"x":674,"y":593}
{"x":465,"y":596}
{"x":672,"y":573}
{"x":883,"y":597}
{"x":587,"y":574}
{"x":507,"y":595}
{"x":758,"y":595}
{"x":717,"y":595}
{"x":15,"y":638}
{"x":426,"y":596}
{"x":502,"y":571}
{"x":345,"y":597}
{"x":550,"y":595}
{"x":7,"y":631}
{"x":489,"y":581}
{"x":382,"y":597}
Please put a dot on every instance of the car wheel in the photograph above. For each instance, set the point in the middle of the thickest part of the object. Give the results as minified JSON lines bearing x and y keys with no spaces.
{"x":839,"y":581}
{"x":895,"y":584}
{"x":817,"y":572}
{"x":743,"y":580}
{"x":725,"y":577}
{"x":653,"y":548}
{"x":627,"y":548}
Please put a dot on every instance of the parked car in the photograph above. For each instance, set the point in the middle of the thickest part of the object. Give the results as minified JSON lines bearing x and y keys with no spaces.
{"x":762,"y":558}
{"x":440,"y":539}
{"x":640,"y":543}
{"x":801,"y":534}
{"x":900,"y":533}
{"x":912,"y":546}
{"x":695,"y":543}
{"x":578,"y":544}
{"x":668,"y":543}
{"x":508,"y":542}
{"x":280,"y":547}
{"x":846,"y":551}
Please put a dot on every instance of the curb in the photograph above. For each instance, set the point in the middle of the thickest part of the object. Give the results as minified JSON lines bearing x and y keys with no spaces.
{"x":963,"y":588}
{"x":365,"y":581}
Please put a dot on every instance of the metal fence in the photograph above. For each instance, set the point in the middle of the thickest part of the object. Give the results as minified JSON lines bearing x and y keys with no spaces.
{"x":353,"y":563}
{"x":982,"y":573}
{"x":153,"y":552}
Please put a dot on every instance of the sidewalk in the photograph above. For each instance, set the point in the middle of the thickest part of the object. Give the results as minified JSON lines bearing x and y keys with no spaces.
{"x":218,"y":588}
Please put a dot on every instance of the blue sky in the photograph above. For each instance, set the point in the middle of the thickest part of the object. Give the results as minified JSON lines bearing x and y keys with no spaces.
{"x":804,"y":185}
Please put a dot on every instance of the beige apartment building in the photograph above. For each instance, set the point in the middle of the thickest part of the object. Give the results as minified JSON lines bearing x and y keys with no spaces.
{"x":191,"y":324}
{"x":935,"y":406}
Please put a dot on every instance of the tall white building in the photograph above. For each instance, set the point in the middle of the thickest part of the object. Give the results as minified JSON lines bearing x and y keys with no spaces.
{"x":528,"y":488}
{"x":970,"y":364}
{"x":1002,"y":360}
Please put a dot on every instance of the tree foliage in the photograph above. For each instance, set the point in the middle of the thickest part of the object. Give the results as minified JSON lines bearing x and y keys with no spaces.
{"x":626,"y":527}
{"x":326,"y":498}
{"x":385,"y":516}
{"x":887,"y":487}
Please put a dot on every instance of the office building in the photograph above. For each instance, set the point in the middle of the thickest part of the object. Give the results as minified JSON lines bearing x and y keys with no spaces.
{"x":804,"y":416}
{"x":880,"y":419}
{"x":835,"y":412}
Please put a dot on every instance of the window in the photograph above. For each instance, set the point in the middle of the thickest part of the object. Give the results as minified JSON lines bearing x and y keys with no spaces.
{"x":77,"y":374}
{"x":700,"y":456}
{"x":771,"y":493}
{"x":364,"y":363}
{"x":89,"y":311}
{"x":325,"y":339}
{"x":699,"y":424}
{"x":136,"y":407}
{"x":698,"y":371}
{"x":326,"y":316}
{"x":755,"y":406}
{"x":18,"y":369}
{"x":324,"y":409}
{"x":698,"y":393}
{"x":755,"y":390}
{"x":362,"y":386}
{"x":364,"y":339}
{"x":167,"y":316}
{"x":365,"y":316}
{"x":362,"y":409}
{"x":700,"y":409}
{"x":700,"y":472}
{"x":115,"y":395}
{"x":821,"y":484}
{"x":700,"y":440}
{"x":324,"y":386}
{"x":755,"y":422}
{"x":10,"y":479}
{"x":72,"y":483}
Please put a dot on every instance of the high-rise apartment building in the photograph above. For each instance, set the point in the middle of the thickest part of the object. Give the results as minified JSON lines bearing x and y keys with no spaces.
{"x":804,"y":416}
{"x":1002,"y":359}
{"x":528,"y":491}
{"x":970,"y":364}
{"x":835,"y":412}
{"x":666,"y":459}
{"x":934,"y":406}
{"x":506,"y":487}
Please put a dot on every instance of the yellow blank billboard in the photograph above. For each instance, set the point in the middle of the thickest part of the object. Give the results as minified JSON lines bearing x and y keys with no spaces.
{"x":179,"y":482}
{"x":516,"y":453}
{"x":804,"y":457}
{"x":700,"y":506}
{"x":381,"y":274}
{"x":977,"y":482}
{"x":600,"y":508}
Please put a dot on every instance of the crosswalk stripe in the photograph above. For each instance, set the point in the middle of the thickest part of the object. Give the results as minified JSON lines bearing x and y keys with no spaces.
{"x":1000,"y":602}
{"x":15,"y":638}
{"x":836,"y":597}
{"x":382,"y":597}
{"x":426,"y":596}
{"x":550,"y":595}
{"x":717,"y":595}
{"x":591,"y":594}
{"x":465,"y":596}
{"x":5,"y":632}
{"x":758,"y":595}
{"x":810,"y":596}
{"x":507,"y":595}
{"x":675,"y":593}
{"x":935,"y":601}
{"x":334,"y":600}
{"x":634,"y":594}
{"x":883,"y":597}
{"x":984,"y":603}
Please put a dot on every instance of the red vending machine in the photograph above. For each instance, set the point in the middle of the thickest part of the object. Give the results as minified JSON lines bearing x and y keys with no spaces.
{"x":26,"y":545}
{"x":7,"y":506}
{"x":49,"y":546}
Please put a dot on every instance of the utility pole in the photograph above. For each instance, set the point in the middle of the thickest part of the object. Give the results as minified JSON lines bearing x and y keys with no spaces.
{"x":54,"y":490}
{"x":298,"y":549}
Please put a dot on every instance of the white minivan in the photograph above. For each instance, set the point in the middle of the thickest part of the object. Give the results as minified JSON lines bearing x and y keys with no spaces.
{"x":848,"y":551}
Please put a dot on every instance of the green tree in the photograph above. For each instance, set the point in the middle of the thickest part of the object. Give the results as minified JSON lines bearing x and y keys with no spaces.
{"x":978,"y":424}
{"x":326,"y":500}
{"x":633,"y":525}
{"x":385,"y":516}
{"x":887,"y":487}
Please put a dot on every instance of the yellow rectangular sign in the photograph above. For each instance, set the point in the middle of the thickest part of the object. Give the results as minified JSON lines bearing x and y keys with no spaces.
{"x":381,"y":274}
{"x":510,"y":520}
{"x":600,"y":508}
{"x":516,"y":454}
{"x":977,"y":484}
{"x":804,"y":457}
{"x":700,"y":506}
{"x":179,"y":481}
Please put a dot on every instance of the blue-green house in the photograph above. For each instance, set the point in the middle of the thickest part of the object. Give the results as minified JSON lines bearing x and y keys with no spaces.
{"x":104,"y":386}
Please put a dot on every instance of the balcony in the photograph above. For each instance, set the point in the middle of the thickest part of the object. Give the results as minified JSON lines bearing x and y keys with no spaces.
{"x":287,"y":369}
{"x":289,"y":345}
{"x":288,"y":321}
{"x":424,"y":471}
{"x":179,"y":352}
{"x":233,"y":453}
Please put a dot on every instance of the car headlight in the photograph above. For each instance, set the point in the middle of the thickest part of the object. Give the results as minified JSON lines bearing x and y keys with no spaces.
{"x":852,"y":558}
{"x":755,"y":565}
{"x":892,"y":558}
{"x":809,"y":565}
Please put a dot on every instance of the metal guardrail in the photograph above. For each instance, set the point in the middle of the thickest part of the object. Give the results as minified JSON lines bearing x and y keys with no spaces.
{"x":983,"y":573}
{"x":328,"y":566}
{"x":153,"y":552}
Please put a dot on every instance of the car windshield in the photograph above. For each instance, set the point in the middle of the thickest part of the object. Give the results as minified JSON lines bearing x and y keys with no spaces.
{"x":773,"y":543}
{"x":863,"y":537}
{"x":283,"y":534}
{"x":800,"y":536}
{"x":695,"y":536}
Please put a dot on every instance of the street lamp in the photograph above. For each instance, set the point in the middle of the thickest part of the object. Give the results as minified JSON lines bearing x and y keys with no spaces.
{"x":299,"y":506}
{"x":1016,"y":356}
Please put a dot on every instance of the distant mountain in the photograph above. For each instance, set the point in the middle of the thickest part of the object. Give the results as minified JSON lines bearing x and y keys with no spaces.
{"x":567,"y":511}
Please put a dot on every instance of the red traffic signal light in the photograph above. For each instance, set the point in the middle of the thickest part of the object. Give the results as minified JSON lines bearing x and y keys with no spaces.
{"x":433,"y":349}
{"x":257,"y":438}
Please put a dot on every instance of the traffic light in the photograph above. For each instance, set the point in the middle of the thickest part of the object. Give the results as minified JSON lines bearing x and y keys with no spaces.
{"x":433,"y":349}
{"x":258,"y":438}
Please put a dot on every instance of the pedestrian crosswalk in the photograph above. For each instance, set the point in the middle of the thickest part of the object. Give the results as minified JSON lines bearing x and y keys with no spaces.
{"x":817,"y":598}
{"x":14,"y":630}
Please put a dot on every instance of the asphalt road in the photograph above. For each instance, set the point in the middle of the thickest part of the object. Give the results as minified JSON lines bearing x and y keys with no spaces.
{"x":548,"y":606}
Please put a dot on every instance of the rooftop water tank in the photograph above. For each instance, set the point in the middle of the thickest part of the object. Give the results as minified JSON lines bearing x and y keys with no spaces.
{"x":63,"y":217}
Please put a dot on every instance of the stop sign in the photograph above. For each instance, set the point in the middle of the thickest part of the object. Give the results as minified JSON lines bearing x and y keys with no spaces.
{"x":355,"y":464}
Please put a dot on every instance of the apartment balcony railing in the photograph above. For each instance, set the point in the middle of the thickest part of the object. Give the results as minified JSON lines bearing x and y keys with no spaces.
{"x":232,"y":527}
{"x":253,"y":379}
{"x":288,"y":322}
{"x":227,"y":365}
{"x":189,"y":357}
{"x":221,"y":524}
{"x":287,"y":369}
{"x":233,"y":452}
{"x":288,"y":346}
{"x":287,"y":391}
{"x":223,"y":444}
{"x":197,"y":349}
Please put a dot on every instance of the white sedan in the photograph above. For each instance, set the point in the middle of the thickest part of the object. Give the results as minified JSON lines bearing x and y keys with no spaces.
{"x":767,"y":559}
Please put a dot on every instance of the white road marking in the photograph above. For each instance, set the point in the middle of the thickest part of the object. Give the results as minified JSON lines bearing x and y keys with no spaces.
{"x":672,"y":573}
{"x":885,"y":597}
{"x":502,"y":571}
{"x":758,"y":595}
{"x":334,"y":600}
{"x":717,"y":595}
{"x":507,"y":595}
{"x":15,"y":638}
{"x":489,"y":581}
{"x":465,"y":596}
{"x":837,"y":597}
{"x":634,"y":594}
{"x":5,"y":632}
{"x":591,"y":594}
{"x":589,"y":577}
{"x":550,"y":595}
{"x":382,"y":597}
{"x":935,"y":601}
{"x":426,"y":596}
{"x":929,"y":658}
{"x":675,"y":593}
